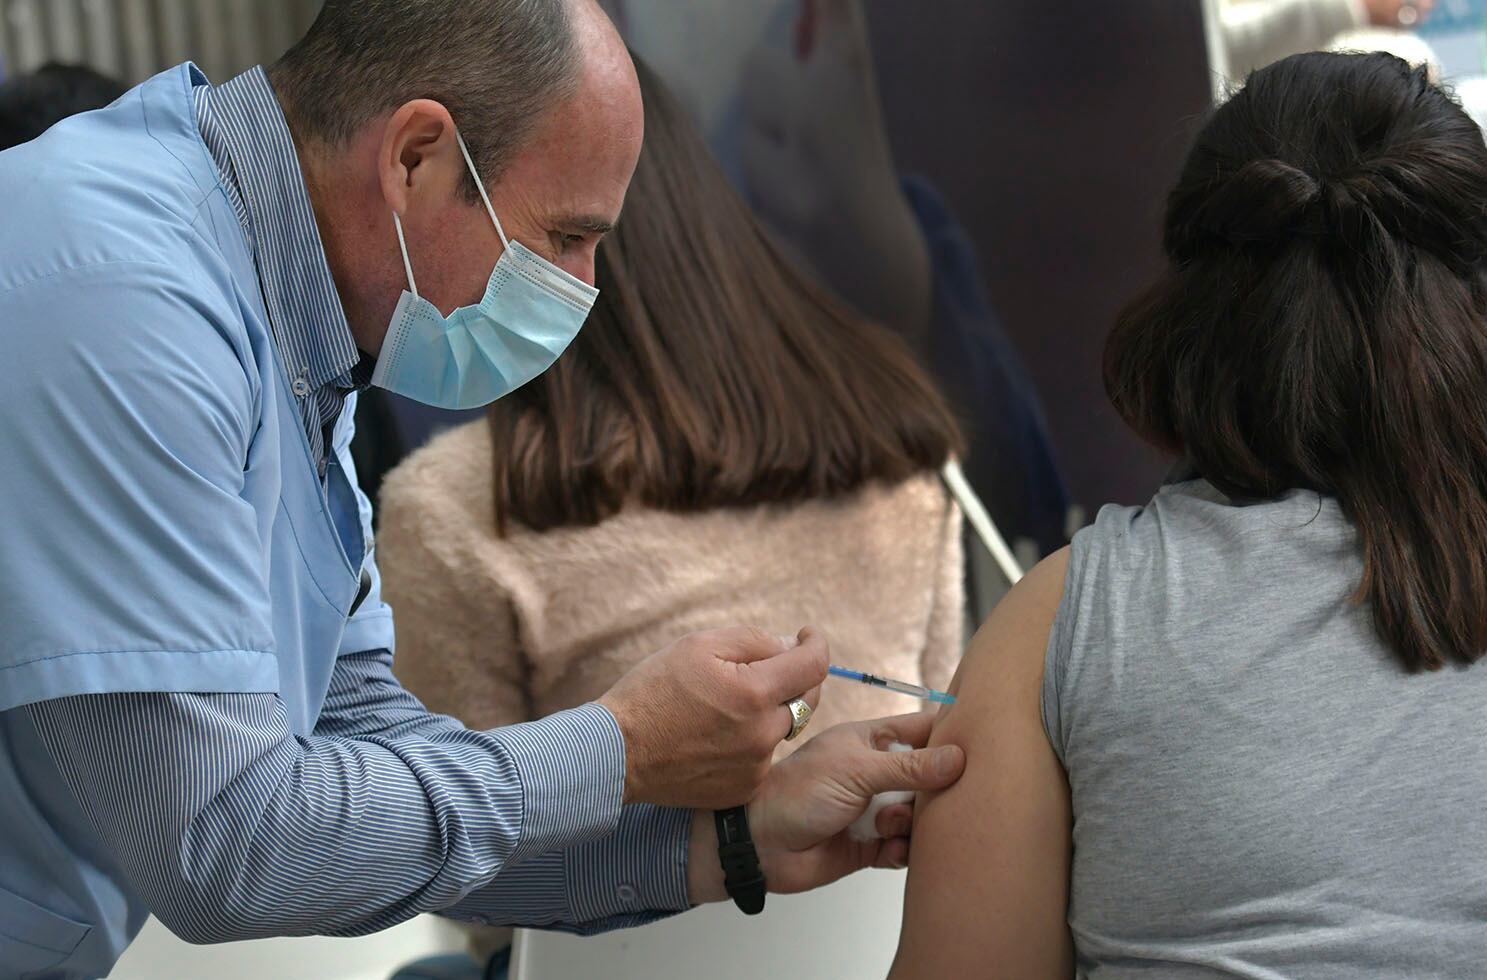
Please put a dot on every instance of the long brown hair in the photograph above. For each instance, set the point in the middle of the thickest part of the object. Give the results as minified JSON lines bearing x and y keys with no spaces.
{"x":711,"y":373}
{"x":1323,"y":325}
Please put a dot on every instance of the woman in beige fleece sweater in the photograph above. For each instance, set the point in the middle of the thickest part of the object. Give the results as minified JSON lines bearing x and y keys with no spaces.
{"x":722,"y":444}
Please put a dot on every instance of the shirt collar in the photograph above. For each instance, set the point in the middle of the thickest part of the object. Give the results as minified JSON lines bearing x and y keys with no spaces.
{"x":245,"y":129}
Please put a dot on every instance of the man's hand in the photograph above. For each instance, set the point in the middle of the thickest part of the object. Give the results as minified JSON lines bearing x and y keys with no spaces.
{"x":800,"y":817}
{"x":701,"y":719}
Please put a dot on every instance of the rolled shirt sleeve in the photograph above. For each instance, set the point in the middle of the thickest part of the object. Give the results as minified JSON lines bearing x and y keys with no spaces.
{"x":232,"y":828}
{"x":627,"y":878}
{"x":137,"y":560}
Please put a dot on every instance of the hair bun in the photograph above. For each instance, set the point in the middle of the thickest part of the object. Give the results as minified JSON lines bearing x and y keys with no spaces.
{"x":1261,"y":201}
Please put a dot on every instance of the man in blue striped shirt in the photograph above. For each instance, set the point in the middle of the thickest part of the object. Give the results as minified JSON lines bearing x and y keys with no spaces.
{"x":198,"y":716}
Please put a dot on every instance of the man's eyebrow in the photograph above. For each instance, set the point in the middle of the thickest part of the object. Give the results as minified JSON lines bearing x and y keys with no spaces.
{"x":590,"y":223}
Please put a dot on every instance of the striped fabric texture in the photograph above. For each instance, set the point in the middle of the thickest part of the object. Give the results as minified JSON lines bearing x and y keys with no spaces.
{"x":228,"y":826}
{"x":245,"y":132}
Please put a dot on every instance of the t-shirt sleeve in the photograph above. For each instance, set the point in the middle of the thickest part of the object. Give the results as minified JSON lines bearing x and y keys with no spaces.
{"x":132,"y":557}
{"x":1061,"y":642}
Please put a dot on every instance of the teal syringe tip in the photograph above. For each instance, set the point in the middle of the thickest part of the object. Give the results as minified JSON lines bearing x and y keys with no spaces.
{"x":902,"y":687}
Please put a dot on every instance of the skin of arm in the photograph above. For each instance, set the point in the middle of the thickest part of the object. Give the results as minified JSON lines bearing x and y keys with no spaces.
{"x":988,"y":887}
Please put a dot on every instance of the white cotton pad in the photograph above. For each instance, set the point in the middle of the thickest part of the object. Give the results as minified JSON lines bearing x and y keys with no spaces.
{"x":865,"y":827}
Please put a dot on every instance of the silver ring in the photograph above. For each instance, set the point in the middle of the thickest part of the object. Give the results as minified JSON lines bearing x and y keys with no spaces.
{"x":1409,"y":13}
{"x":800,"y":716}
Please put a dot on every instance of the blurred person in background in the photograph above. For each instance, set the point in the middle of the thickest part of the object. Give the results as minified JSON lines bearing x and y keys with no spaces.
{"x":1258,"y":32}
{"x":1238,"y":731}
{"x":31,"y":104}
{"x":787,"y":96}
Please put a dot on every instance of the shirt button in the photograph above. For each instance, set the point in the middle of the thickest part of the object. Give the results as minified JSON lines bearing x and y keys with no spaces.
{"x":626,"y":893}
{"x":301,"y":387}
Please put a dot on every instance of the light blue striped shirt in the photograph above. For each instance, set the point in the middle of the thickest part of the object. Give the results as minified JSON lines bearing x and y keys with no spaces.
{"x":228,"y":825}
{"x":244,"y":129}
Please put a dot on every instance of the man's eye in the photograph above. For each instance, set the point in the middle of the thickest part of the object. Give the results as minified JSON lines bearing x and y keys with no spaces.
{"x":572,"y":239}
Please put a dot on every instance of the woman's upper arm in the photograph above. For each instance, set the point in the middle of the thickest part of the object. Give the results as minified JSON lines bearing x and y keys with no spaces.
{"x":989,"y":877}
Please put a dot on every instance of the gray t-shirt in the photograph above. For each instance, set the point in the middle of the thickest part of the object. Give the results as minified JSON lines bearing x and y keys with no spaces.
{"x":1259,"y":789}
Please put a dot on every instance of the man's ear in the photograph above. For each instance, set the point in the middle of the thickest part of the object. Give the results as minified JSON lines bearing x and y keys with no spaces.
{"x":419,"y":158}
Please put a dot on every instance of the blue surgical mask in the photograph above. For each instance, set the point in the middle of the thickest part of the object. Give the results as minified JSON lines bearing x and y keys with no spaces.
{"x":529,"y":314}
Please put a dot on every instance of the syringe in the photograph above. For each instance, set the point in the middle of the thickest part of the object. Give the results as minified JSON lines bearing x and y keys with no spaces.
{"x":902,"y":687}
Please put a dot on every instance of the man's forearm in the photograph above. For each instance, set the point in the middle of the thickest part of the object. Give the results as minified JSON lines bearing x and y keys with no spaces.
{"x":232,"y":828}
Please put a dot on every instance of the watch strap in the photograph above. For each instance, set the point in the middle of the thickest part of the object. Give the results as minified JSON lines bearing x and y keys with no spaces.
{"x":742,"y":876}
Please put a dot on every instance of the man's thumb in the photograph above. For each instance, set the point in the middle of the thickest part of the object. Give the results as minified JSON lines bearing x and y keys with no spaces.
{"x":921,"y":769}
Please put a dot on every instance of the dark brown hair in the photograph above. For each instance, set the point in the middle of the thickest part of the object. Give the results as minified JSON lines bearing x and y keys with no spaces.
{"x":1323,"y":325}
{"x":711,"y":372}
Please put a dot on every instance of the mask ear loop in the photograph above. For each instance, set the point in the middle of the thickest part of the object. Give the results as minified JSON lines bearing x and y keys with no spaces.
{"x":407,"y":266}
{"x":397,"y":222}
{"x":480,"y":186}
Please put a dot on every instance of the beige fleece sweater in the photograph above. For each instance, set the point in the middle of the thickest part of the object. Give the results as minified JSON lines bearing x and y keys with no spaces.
{"x":497,"y":631}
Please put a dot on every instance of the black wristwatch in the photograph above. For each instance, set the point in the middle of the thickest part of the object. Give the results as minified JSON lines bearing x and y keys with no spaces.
{"x":741,"y":873}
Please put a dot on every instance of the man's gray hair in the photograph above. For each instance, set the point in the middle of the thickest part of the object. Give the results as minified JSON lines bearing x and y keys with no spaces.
{"x":496,"y":65}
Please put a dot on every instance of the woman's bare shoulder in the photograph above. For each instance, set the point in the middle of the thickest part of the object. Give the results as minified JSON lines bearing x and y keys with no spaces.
{"x":1011,"y":644}
{"x":988,"y":881}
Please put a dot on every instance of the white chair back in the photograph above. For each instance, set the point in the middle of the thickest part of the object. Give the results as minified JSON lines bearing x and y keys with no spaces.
{"x":155,"y":954}
{"x":846,"y":931}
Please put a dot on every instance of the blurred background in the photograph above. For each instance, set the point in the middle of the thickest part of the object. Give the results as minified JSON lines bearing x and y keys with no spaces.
{"x":986,"y":180}
{"x":984,"y":177}
{"x":133,"y":39}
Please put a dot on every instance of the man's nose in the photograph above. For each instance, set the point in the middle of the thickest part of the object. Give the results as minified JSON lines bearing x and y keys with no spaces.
{"x":578,"y":264}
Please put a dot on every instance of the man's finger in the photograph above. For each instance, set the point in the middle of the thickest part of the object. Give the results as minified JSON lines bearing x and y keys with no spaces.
{"x":893,"y":854}
{"x":922,"y":769}
{"x":795,"y":671}
{"x":811,"y":697}
{"x":911,"y":729}
{"x":895,"y":821}
{"x":746,"y":645}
